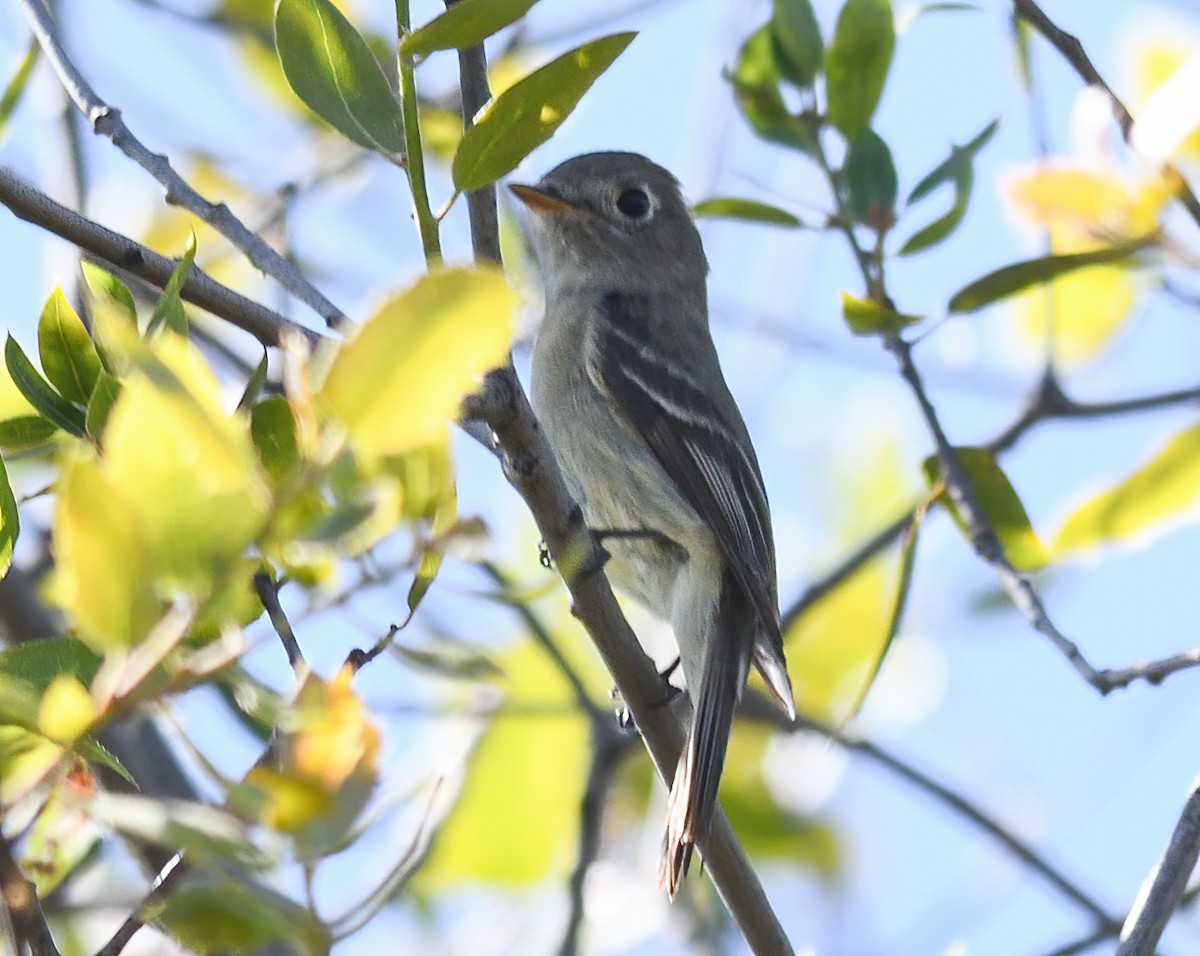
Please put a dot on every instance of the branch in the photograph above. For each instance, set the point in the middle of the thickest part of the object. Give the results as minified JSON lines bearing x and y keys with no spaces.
{"x":106,"y":120}
{"x":1073,"y":52}
{"x":268,"y":594}
{"x":122,"y":253}
{"x":19,"y":897}
{"x":168,"y":876}
{"x":1164,"y":886}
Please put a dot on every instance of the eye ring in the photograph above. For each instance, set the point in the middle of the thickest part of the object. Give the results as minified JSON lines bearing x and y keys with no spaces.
{"x":634,"y":203}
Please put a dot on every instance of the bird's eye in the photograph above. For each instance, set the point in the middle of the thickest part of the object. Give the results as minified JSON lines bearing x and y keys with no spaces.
{"x":633,"y":203}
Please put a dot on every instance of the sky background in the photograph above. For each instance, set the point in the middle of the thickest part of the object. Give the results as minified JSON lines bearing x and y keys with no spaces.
{"x":975,"y":699}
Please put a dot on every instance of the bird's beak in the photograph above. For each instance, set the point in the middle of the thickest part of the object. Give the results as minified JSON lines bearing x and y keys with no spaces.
{"x":538,"y":200}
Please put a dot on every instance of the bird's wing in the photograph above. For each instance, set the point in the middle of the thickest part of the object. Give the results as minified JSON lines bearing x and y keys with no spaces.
{"x":713,"y":467}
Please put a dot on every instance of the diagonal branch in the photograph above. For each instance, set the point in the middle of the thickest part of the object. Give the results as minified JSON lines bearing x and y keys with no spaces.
{"x":1073,"y":52}
{"x":106,"y":120}
{"x":19,"y":898}
{"x":122,"y":253}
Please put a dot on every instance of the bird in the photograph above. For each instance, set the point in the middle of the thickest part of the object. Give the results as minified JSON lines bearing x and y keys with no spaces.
{"x":627,"y":385}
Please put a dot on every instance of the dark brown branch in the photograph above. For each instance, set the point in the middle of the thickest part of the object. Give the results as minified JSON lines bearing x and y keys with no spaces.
{"x":19,"y":897}
{"x":166,"y":880}
{"x":106,"y":120}
{"x":1073,"y":52}
{"x":265,"y":588}
{"x":122,"y":253}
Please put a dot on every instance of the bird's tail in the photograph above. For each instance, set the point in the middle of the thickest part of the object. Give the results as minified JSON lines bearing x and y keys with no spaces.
{"x":694,"y":791}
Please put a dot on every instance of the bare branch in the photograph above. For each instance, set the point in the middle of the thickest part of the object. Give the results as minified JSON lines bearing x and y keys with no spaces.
{"x":1164,"y":886}
{"x":122,"y":253}
{"x":268,"y":593}
{"x":20,"y":899}
{"x":1073,"y":52}
{"x":106,"y":120}
{"x":166,"y":880}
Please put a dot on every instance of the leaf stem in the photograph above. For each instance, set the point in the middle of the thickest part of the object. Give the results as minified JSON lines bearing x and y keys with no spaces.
{"x":427,"y":222}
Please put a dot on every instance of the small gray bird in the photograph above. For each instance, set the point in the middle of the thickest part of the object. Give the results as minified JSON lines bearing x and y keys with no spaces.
{"x":628,"y":388}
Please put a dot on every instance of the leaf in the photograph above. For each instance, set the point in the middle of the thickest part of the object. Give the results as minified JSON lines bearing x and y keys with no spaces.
{"x":747,"y":210}
{"x":108,"y":291}
{"x":104,"y":579}
{"x":209,"y":835}
{"x":1021,"y":275}
{"x":14,"y":90}
{"x":399,"y":380}
{"x":998,"y":500}
{"x":25,"y":432}
{"x":168,"y":309}
{"x":857,"y":63}
{"x":37,"y":391}
{"x":518,"y":835}
{"x":958,"y":170}
{"x":68,"y":356}
{"x":866,"y":317}
{"x":798,"y":44}
{"x":273,"y":431}
{"x":755,"y":78}
{"x":104,"y":396}
{"x":10,"y":521}
{"x":330,"y":67}
{"x":1160,"y":494}
{"x":466,"y":23}
{"x":870,"y":179}
{"x":1170,"y":116}
{"x":38,"y":663}
{"x":254,"y":384}
{"x":527,"y":113}
{"x":211,"y":914}
{"x":66,"y":710}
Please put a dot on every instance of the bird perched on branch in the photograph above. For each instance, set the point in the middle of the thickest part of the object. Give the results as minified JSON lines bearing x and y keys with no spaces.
{"x":628,"y":388}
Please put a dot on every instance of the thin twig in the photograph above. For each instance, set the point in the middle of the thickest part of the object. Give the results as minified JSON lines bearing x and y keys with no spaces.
{"x":122,"y":253}
{"x":427,"y":223}
{"x":166,"y":880}
{"x":268,"y":593}
{"x":1073,"y":52}
{"x":19,"y":897}
{"x":106,"y":120}
{"x":1164,"y":886}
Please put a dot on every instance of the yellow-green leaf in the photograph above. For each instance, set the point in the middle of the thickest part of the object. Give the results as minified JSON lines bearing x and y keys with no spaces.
{"x":10,"y":521}
{"x":1163,"y":491}
{"x":1001,"y":507}
{"x":466,"y":23}
{"x":866,"y":317}
{"x":526,"y":114}
{"x":66,"y":710}
{"x":747,"y":210}
{"x":68,"y":356}
{"x":800,"y":49}
{"x":857,"y":63}
{"x":398,"y":382}
{"x":37,"y":391}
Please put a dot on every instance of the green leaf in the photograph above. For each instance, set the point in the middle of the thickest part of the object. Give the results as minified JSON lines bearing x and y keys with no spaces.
{"x":998,"y":500}
{"x":959,"y":170}
{"x":1160,"y":493}
{"x":103,"y":397}
{"x":25,"y":432}
{"x":37,"y":391}
{"x":68,"y":356}
{"x":273,"y":431}
{"x":210,"y":914}
{"x":747,"y":210}
{"x":857,"y":63}
{"x":526,"y":114}
{"x":108,"y":291}
{"x":397,"y":383}
{"x":798,"y":42}
{"x":755,"y":78}
{"x":866,"y":317}
{"x":10,"y":521}
{"x":1021,"y":275}
{"x":254,"y":384}
{"x":168,"y":310}
{"x":870,"y":179}
{"x":15,"y":89}
{"x":466,"y":23}
{"x":37,"y":663}
{"x":331,"y":68}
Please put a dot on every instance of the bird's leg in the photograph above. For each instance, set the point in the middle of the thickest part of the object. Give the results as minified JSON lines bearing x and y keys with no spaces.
{"x":670,"y":693}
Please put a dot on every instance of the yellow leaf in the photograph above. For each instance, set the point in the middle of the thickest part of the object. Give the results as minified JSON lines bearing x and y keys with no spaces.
{"x":334,"y":738}
{"x":400,"y":379}
{"x":833,"y":649}
{"x":1066,"y":197}
{"x":66,"y":710}
{"x":1162,"y":492}
{"x":1155,"y":62}
{"x":104,"y":575}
